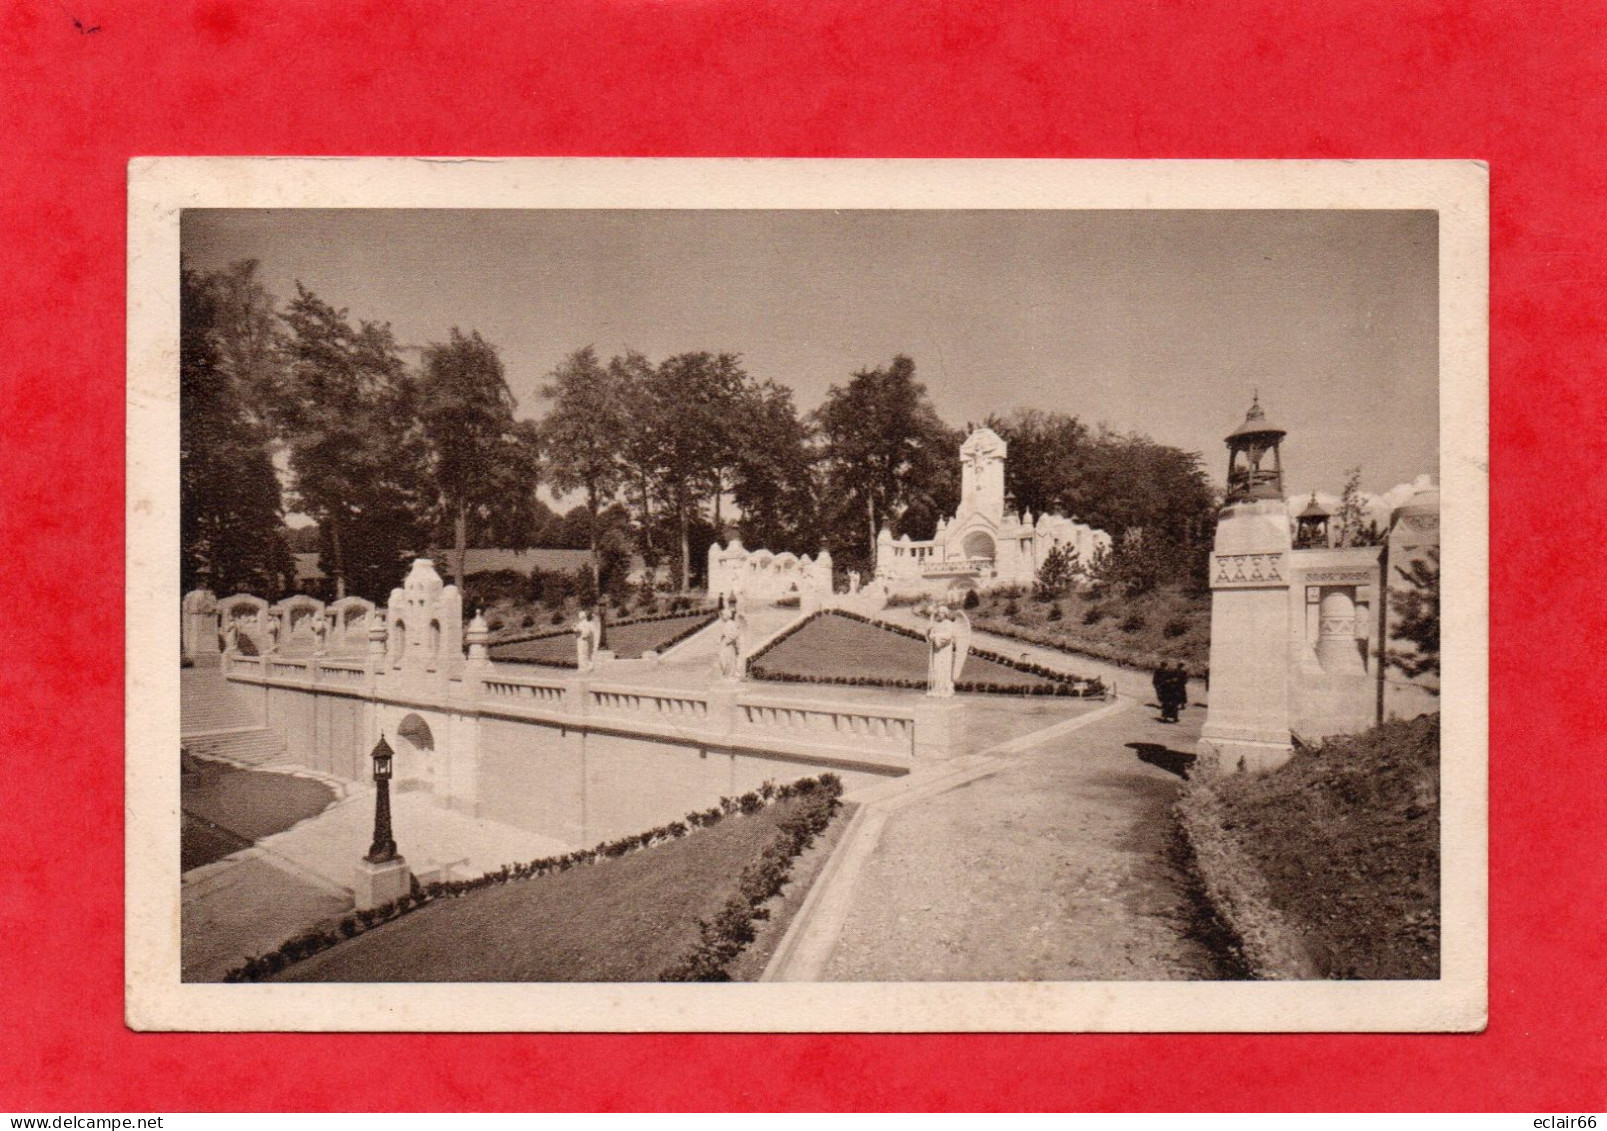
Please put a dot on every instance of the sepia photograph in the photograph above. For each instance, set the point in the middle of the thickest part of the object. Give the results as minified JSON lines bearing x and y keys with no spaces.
{"x":807,"y":595}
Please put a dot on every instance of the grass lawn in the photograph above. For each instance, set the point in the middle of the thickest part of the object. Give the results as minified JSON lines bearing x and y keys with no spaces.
{"x":1167,"y":624}
{"x":832,"y":645}
{"x":226,"y":809}
{"x":628,"y":641}
{"x":1344,"y":843}
{"x":623,"y":920}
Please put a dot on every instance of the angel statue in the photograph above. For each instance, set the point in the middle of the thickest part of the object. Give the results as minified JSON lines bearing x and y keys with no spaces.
{"x":588,"y":635}
{"x":728,"y":657}
{"x":949,"y":638}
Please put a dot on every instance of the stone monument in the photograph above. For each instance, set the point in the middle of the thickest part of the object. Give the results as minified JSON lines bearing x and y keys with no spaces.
{"x":982,"y":545}
{"x":1247,"y":722}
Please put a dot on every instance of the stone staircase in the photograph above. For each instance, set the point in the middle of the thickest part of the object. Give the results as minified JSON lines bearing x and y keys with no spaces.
{"x":252,"y":747}
{"x":218,"y":720}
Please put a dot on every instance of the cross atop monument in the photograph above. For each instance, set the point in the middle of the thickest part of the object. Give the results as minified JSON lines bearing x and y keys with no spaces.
{"x":982,"y":472}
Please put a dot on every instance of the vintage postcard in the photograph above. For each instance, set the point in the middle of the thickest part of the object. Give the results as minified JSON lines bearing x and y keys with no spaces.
{"x":701,"y":595}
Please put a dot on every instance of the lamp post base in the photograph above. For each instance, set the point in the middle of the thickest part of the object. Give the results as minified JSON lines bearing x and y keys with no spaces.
{"x":378,"y":884}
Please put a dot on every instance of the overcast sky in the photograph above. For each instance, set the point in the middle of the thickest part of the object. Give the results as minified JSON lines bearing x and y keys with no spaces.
{"x":1162,"y":322}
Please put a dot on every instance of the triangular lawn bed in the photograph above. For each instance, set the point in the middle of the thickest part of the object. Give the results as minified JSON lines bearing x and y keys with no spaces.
{"x":839,"y":647}
{"x":628,"y":640}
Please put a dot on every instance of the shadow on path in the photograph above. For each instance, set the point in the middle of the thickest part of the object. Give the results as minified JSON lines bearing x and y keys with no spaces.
{"x":1172,"y":761}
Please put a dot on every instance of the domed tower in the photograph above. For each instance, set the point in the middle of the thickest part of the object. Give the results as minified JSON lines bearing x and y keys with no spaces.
{"x":1255,"y":463}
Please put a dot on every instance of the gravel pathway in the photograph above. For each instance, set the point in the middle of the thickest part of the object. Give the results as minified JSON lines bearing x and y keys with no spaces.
{"x":1060,"y":867}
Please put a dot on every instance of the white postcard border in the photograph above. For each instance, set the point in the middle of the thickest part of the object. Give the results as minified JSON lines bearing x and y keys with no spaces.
{"x":160,"y":188}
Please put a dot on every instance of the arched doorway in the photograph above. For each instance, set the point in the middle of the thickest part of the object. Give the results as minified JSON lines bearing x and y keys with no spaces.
{"x":979,"y":545}
{"x":415,"y":754}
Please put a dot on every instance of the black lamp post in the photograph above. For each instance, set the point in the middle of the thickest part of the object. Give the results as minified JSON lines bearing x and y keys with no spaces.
{"x":384,"y":847}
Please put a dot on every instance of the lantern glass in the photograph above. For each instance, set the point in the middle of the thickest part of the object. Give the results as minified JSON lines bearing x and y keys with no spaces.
{"x":382,"y":760}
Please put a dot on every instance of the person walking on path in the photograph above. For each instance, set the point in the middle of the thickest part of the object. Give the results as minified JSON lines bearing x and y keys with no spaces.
{"x":1162,"y":683}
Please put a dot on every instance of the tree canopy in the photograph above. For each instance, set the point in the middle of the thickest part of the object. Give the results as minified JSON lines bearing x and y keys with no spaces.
{"x":231,"y":517}
{"x":346,"y":411}
{"x":889,"y":460}
{"x":483,"y":460}
{"x":386,"y":458}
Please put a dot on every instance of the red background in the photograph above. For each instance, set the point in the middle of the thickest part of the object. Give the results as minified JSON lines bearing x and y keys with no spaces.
{"x":1518,"y":85}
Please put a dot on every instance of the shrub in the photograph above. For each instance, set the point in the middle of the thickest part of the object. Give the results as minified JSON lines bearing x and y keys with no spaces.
{"x":721,"y":939}
{"x":1011,"y":608}
{"x":1059,"y":568}
{"x":1177,"y":626}
{"x":971,"y":599}
{"x":1054,"y":611}
{"x":557,"y":616}
{"x":554,"y":586}
{"x":1133,"y":622}
{"x":791,"y":601}
{"x":1093,"y":614}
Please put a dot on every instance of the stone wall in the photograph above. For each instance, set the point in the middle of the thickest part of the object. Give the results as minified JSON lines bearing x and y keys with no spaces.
{"x":761,"y":576}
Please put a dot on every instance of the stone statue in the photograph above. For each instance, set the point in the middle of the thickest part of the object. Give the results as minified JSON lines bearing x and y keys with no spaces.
{"x":949,"y":638}
{"x":728,"y":657}
{"x":588,"y":635}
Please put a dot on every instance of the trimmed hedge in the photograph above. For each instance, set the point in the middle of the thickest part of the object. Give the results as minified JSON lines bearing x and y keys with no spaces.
{"x":827,"y":786}
{"x":722,"y":938}
{"x":1059,"y":683}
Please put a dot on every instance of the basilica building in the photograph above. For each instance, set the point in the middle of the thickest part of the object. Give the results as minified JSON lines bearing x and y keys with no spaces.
{"x":981,"y":546}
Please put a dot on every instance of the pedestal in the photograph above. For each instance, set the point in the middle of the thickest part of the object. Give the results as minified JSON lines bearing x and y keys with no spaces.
{"x":937,"y":728}
{"x":378,"y":884}
{"x":1247,"y":721}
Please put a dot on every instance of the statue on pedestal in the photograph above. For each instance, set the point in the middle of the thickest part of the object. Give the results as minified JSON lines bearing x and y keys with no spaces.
{"x":728,"y":657}
{"x":588,"y":636}
{"x":949,"y":638}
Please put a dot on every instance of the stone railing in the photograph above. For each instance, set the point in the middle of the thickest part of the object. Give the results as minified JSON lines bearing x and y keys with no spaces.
{"x":824,"y":724}
{"x":725,"y":716}
{"x":659,"y":706}
{"x":353,"y":675}
{"x":540,"y":694}
{"x":961,"y":567}
{"x":247,"y":666}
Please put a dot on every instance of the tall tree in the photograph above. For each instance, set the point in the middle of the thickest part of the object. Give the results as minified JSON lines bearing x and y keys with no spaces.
{"x":1352,"y":524}
{"x":231,"y":516}
{"x":484,"y":462}
{"x":249,"y":335}
{"x":773,"y":474}
{"x":347,"y":412}
{"x":1417,"y":617}
{"x":1046,"y":468}
{"x":583,"y":435}
{"x":887,"y":453}
{"x":686,"y":414}
{"x":632,"y":377}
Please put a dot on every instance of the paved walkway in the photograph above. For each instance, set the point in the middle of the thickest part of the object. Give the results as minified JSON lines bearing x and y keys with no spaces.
{"x":1049,"y":858}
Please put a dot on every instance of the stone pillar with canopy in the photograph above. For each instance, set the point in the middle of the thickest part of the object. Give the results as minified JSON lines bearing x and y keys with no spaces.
{"x":1247,"y":724}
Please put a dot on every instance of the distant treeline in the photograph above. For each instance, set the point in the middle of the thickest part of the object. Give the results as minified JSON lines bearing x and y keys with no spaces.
{"x":390,"y":454}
